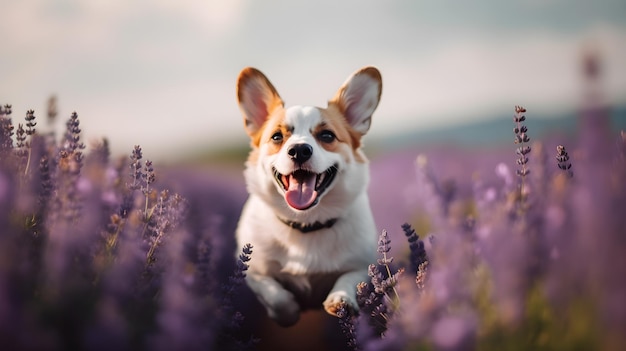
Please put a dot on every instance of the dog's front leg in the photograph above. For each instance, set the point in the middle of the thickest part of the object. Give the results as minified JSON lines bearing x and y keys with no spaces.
{"x":344,"y":291}
{"x":280,"y":304}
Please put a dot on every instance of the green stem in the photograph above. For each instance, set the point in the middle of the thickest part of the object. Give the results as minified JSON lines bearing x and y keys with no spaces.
{"x":28,"y":161}
{"x":396,"y":302}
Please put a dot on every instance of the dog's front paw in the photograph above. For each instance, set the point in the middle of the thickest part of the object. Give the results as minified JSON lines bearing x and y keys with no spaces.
{"x":284,"y":309}
{"x":338,"y":298}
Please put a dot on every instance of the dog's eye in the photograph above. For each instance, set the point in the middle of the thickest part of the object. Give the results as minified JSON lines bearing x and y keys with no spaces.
{"x":326,"y":136}
{"x":277,"y":137}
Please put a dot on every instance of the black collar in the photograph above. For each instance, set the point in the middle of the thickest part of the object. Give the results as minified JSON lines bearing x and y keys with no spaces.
{"x":309,"y":227}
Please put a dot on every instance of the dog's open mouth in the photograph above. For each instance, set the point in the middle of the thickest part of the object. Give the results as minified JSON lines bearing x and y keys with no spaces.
{"x":304,"y":188}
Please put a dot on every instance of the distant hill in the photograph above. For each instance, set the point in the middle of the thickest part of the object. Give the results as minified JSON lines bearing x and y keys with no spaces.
{"x":492,"y":131}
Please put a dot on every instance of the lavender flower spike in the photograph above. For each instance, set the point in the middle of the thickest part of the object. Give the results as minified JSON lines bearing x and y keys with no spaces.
{"x":563,"y":160}
{"x":416,"y":246}
{"x":347,"y":323}
{"x":135,"y":168}
{"x":384,"y":248}
{"x":521,"y":137}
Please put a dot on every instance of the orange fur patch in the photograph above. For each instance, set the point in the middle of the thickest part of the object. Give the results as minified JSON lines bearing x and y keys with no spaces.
{"x":336,"y":122}
{"x":274,"y":124}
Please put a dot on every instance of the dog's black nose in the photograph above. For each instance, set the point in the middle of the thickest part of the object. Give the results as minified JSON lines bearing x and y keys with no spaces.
{"x":300,"y":153}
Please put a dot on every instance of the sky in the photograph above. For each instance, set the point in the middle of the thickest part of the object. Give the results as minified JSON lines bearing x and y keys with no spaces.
{"x":162,"y":74}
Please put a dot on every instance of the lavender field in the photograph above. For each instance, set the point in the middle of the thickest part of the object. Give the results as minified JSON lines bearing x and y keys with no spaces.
{"x":518,"y":246}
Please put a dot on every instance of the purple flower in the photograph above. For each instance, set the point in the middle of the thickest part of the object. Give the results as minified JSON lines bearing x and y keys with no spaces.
{"x":416,"y":246}
{"x":562,"y":159}
{"x":348,"y":325}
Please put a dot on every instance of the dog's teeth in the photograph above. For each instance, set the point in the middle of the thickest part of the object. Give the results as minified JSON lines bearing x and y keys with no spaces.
{"x":320,"y":179}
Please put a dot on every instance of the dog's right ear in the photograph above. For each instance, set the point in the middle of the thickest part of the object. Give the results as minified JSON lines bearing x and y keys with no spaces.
{"x":257,"y":99}
{"x":359,"y":96}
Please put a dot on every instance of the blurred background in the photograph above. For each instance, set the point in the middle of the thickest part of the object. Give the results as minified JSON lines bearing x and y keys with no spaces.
{"x":162,"y":74}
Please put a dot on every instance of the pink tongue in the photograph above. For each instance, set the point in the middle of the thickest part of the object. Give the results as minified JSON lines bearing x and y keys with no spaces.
{"x":301,"y":193}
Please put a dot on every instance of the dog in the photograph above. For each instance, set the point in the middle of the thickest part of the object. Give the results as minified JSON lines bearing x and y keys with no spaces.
{"x":308,"y":215}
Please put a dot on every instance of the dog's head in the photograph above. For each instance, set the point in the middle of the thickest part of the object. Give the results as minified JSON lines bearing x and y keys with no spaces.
{"x":303,"y":157}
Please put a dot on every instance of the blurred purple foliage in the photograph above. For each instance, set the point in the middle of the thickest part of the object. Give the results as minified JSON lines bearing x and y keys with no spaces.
{"x":520,"y":262}
{"x":100,"y":253}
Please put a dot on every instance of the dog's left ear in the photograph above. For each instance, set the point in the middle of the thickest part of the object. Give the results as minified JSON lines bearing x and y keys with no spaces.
{"x":358,"y":97}
{"x":257,"y":99}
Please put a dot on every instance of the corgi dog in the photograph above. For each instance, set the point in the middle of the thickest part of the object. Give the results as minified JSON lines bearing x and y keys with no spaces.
{"x":308,"y":215}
